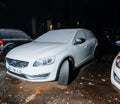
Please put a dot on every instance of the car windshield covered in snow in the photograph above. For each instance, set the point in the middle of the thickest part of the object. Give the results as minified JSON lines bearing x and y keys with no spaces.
{"x":56,"y":36}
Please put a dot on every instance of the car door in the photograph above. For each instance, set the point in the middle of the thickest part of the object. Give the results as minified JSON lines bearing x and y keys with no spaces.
{"x":91,"y":41}
{"x":81,"y":50}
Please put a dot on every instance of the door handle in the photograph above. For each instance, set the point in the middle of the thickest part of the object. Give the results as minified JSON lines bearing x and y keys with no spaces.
{"x":86,"y":46}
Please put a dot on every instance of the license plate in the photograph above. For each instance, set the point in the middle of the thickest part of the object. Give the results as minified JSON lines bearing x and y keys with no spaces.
{"x":14,"y":70}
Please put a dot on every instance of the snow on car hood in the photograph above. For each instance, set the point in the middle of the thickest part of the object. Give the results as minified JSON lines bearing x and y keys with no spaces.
{"x":35,"y":50}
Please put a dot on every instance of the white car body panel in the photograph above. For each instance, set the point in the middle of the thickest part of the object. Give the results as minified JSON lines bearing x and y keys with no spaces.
{"x":115,"y":70}
{"x":59,"y":45}
{"x":39,"y":50}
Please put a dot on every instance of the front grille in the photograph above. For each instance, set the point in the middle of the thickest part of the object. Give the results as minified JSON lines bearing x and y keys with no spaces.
{"x":17,"y":63}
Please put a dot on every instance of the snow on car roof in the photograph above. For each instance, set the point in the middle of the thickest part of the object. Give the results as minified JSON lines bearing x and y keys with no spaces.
{"x":61,"y":35}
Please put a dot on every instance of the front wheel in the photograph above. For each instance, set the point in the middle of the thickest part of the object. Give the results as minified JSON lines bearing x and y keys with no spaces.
{"x":63,"y":78}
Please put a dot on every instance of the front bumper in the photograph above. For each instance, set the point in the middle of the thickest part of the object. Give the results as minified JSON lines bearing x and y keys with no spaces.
{"x":31,"y":78}
{"x":33,"y":74}
{"x":115,"y":80}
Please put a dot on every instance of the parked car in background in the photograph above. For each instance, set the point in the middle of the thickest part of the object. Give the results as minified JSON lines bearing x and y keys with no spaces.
{"x":52,"y":56}
{"x":106,"y":43}
{"x":115,"y":70}
{"x":10,"y":38}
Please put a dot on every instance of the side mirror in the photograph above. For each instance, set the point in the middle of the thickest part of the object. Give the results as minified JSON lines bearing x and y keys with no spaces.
{"x":79,"y":41}
{"x":117,"y":43}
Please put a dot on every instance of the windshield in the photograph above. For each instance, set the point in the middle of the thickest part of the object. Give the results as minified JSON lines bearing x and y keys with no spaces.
{"x":56,"y":36}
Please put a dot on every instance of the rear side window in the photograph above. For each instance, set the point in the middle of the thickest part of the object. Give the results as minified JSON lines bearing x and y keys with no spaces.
{"x":18,"y":35}
{"x":80,"y":34}
{"x":4,"y":35}
{"x":89,"y":34}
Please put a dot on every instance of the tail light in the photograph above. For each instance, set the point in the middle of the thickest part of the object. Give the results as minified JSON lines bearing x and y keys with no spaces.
{"x":1,"y":42}
{"x":1,"y":52}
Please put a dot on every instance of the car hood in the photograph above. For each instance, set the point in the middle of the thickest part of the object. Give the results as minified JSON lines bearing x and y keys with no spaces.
{"x":35,"y":50}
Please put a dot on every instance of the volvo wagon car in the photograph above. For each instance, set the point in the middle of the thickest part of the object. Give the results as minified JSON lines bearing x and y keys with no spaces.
{"x":52,"y":56}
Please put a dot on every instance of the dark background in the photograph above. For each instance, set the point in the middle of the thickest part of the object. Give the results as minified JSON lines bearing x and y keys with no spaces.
{"x":93,"y":14}
{"x":16,"y":14}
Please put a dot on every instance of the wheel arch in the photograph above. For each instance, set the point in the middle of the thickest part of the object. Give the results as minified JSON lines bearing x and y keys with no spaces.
{"x":71,"y":61}
{"x":8,"y":47}
{"x":8,"y":44}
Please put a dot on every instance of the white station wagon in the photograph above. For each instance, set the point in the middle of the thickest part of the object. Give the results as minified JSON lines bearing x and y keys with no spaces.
{"x":52,"y":56}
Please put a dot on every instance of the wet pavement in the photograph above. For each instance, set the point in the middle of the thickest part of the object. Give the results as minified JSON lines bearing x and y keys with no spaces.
{"x":91,"y":85}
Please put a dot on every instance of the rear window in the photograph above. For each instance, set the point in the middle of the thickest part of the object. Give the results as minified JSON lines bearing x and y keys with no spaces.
{"x":4,"y":35}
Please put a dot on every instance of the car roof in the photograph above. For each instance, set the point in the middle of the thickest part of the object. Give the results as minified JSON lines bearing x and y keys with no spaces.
{"x":71,"y":29}
{"x":10,"y":30}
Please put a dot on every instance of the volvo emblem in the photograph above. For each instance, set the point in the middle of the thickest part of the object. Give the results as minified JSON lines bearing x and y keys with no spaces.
{"x":14,"y":63}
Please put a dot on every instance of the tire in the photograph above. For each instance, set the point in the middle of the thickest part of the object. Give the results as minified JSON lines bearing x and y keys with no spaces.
{"x":63,"y":78}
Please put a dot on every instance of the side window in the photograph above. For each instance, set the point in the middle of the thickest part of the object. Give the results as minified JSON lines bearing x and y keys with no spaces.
{"x":80,"y":34}
{"x":79,"y":37}
{"x":22,"y":35}
{"x":4,"y":35}
{"x":18,"y":35}
{"x":88,"y":34}
{"x":13,"y":35}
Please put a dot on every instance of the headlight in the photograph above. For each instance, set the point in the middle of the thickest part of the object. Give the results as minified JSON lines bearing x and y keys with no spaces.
{"x":118,"y":62}
{"x":45,"y":61}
